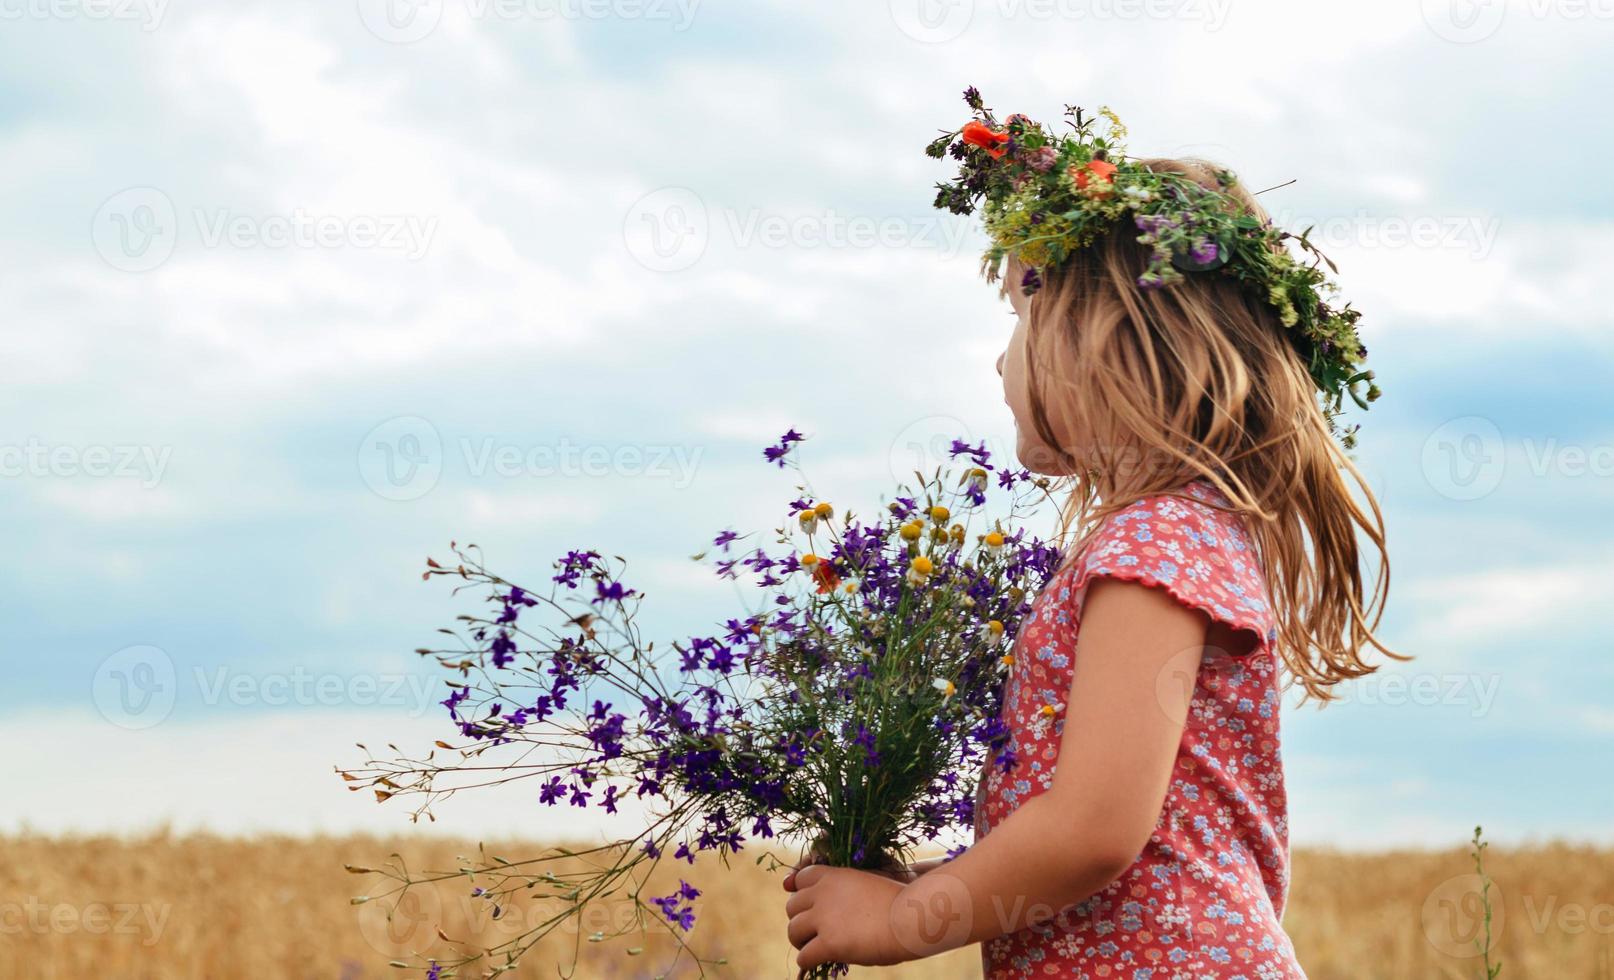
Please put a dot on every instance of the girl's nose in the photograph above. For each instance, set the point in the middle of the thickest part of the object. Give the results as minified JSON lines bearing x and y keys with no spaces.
{"x":1000,"y":363}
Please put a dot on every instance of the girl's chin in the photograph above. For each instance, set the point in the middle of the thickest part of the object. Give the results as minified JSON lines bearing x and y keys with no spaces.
{"x":1042,"y":460}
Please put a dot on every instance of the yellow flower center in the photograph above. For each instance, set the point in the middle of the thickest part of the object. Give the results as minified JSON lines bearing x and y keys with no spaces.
{"x":823,"y":510}
{"x":994,"y":539}
{"x":923,"y":565}
{"x":809,"y":560}
{"x":940,"y":514}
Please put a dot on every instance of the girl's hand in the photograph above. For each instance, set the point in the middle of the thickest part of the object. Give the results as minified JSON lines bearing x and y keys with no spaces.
{"x":841,"y":915}
{"x":896,"y":872}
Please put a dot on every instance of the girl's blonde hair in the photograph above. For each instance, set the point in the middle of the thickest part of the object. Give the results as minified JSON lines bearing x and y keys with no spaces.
{"x":1198,"y":380}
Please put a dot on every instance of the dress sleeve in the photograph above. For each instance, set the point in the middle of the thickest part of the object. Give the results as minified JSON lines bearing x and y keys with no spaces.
{"x":1198,"y":554}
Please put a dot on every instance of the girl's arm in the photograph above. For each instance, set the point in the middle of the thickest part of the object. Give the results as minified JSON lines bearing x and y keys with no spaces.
{"x":1138,"y":652}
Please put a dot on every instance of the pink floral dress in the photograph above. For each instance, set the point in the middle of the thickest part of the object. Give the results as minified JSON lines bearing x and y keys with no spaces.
{"x":1204,"y":899}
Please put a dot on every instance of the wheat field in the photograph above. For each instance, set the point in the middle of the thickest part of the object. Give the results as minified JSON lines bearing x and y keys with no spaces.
{"x":165,"y":907}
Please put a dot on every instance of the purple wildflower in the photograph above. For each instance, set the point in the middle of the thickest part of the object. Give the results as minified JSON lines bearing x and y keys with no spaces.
{"x":1041,"y":159}
{"x":1205,"y":251}
{"x":503,"y":650}
{"x":679,"y":906}
{"x":611,"y":592}
{"x":777,"y":454}
{"x":976,"y":453}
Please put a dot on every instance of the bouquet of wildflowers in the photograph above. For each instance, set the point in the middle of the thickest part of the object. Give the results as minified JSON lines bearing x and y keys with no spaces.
{"x":849,"y":710}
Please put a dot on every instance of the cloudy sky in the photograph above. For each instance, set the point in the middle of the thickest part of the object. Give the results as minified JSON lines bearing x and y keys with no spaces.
{"x":295,"y":293}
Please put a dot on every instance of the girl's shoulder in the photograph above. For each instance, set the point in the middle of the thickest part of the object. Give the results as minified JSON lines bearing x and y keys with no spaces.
{"x":1198,"y":518}
{"x":1192,"y":545}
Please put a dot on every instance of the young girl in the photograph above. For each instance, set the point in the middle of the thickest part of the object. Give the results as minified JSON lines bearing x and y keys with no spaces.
{"x":1167,"y":358}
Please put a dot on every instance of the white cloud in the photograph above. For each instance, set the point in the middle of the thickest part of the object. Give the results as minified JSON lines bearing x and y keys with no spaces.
{"x":253,"y":773}
{"x":1503,"y":604}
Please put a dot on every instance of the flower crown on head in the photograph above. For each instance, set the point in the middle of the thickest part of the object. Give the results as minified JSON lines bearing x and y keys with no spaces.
{"x":1043,"y":197}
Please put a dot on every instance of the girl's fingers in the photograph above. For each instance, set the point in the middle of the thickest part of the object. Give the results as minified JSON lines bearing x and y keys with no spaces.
{"x":807,"y":861}
{"x":813,"y":954}
{"x":798,"y":903}
{"x":801,"y":930}
{"x":804,"y":877}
